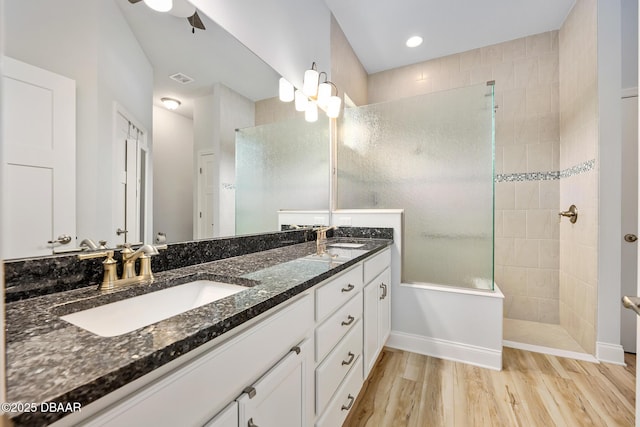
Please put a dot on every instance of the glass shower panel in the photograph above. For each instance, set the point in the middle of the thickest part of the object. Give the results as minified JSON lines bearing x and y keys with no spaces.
{"x":431,"y":155}
{"x":283,"y":165}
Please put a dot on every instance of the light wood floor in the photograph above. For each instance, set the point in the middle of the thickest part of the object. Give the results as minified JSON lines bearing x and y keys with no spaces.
{"x":411,"y":390}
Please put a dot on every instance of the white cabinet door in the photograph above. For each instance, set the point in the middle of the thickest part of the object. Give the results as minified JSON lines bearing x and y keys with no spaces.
{"x":377,"y":317}
{"x":370,"y":318}
{"x":228,"y":417}
{"x":383,"y":282}
{"x":279,"y":397}
{"x":39,"y":141}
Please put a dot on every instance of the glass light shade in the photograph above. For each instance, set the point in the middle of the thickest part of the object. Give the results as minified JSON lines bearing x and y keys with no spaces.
{"x":170,"y":103}
{"x":285,"y":90}
{"x":333,"y":107}
{"x":310,"y":83}
{"x":311,"y":112}
{"x":159,"y":5}
{"x":301,"y":100}
{"x":324,"y":93}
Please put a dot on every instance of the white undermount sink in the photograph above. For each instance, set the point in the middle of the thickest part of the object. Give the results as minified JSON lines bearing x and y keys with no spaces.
{"x":127,"y":315}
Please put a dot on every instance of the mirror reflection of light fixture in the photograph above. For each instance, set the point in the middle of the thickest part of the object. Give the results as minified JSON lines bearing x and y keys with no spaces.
{"x":170,"y":103}
{"x":301,"y":100}
{"x":159,"y":5}
{"x":311,"y":112}
{"x":285,"y":91}
{"x":310,"y":81}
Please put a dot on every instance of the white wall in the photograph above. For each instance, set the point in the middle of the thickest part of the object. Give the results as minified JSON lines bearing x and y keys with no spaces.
{"x":610,"y":180}
{"x":173,"y":175}
{"x":629,"y":43}
{"x":101,"y":54}
{"x":215,"y":119}
{"x":303,"y":34}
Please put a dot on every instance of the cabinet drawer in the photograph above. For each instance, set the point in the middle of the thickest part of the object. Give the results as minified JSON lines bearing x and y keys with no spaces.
{"x":374,"y":266}
{"x":343,"y":400}
{"x":338,"y":291}
{"x":336,"y":326}
{"x":331,"y":372}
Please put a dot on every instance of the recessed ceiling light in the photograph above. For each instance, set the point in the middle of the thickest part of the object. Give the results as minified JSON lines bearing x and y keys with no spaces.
{"x":414,"y":41}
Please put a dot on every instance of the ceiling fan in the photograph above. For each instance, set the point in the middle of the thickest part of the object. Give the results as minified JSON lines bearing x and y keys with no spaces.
{"x":182,"y":9}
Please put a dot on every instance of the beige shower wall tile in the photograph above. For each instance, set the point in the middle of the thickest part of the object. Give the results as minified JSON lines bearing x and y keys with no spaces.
{"x":539,"y":44}
{"x":515,"y":281}
{"x":539,"y":157}
{"x":504,"y":251}
{"x":522,"y":308}
{"x":548,"y":68}
{"x":526,"y":253}
{"x":514,"y":49}
{"x":549,"y":311}
{"x":527,"y":195}
{"x":550,"y":195}
{"x":549,"y":256}
{"x":515,"y":223}
{"x":515,"y":159}
{"x":542,"y":224}
{"x":505,"y":195}
{"x":543,"y":283}
{"x":498,"y":222}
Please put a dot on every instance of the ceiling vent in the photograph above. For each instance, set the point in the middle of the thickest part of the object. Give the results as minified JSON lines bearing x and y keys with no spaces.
{"x":181,"y":78}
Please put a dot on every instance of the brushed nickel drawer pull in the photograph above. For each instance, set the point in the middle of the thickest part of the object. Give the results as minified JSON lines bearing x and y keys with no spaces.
{"x":348,"y":362}
{"x":384,"y":290}
{"x":349,"y":321}
{"x":347,"y":407}
{"x":250,"y":423}
{"x":349,"y":288}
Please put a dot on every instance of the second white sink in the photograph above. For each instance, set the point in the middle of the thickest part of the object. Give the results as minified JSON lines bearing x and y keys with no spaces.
{"x":127,"y":315}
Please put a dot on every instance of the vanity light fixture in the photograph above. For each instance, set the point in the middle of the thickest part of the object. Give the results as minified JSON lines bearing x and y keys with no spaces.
{"x":310,"y":81}
{"x":286,"y":90}
{"x":159,"y":5}
{"x":311,"y":112}
{"x":301,"y":100}
{"x":170,"y":103}
{"x":414,"y":41}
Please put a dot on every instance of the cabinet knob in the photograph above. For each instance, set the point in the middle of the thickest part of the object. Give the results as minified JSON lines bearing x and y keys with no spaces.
{"x":250,"y":423}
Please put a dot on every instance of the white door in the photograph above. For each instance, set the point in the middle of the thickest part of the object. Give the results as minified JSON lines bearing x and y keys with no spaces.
{"x":629,"y":248}
{"x":39,"y":138}
{"x":205,"y":194}
{"x":130,"y":168}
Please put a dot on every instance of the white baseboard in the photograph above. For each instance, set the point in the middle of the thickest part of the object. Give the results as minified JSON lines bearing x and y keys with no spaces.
{"x":551,"y":350}
{"x":449,"y":350}
{"x":610,"y":353}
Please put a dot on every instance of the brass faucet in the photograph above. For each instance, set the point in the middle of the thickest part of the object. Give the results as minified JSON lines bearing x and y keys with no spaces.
{"x":321,"y":239}
{"x":110,"y":279}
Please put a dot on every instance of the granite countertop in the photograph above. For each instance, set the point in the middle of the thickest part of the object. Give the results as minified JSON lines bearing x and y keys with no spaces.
{"x":50,"y":360}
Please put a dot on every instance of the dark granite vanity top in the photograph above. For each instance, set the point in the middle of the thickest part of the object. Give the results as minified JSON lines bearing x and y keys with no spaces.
{"x":50,"y":360}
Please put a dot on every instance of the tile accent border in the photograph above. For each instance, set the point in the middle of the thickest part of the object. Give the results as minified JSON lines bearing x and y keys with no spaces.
{"x":547,"y":176}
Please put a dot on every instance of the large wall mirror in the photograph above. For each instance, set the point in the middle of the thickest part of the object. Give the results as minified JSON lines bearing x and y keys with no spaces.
{"x":138,"y":170}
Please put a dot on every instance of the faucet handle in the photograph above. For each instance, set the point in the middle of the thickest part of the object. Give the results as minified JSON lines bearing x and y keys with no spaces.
{"x":107,"y":254}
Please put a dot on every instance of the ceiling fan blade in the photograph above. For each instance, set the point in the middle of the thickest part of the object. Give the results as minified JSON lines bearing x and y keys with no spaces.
{"x":195,"y":21}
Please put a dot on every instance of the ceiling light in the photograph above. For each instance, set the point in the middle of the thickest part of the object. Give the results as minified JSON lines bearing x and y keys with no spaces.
{"x":414,"y":41}
{"x":170,"y":103}
{"x":285,"y":91}
{"x":159,"y":5}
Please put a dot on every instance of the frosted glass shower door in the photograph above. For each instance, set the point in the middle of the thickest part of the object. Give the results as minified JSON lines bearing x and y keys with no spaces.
{"x":431,"y":155}
{"x":283,"y":165}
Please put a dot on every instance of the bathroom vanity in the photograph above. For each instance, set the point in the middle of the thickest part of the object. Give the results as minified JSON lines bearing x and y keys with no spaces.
{"x":293,"y":347}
